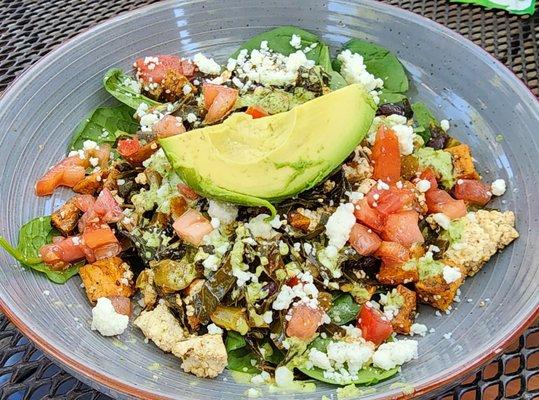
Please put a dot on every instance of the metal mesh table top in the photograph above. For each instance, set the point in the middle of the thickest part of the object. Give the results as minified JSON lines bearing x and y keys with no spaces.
{"x":31,"y":28}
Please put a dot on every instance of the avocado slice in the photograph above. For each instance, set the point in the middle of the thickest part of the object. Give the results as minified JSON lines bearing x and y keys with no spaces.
{"x":257,"y":162}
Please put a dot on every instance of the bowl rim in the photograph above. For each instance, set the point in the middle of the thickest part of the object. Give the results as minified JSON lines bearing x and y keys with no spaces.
{"x":91,"y":376}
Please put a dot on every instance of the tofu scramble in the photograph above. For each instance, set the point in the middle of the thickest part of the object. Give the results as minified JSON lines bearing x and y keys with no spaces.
{"x":226,"y":266}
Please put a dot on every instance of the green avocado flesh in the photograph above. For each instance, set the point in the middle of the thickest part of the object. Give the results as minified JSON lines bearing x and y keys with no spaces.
{"x":256,"y":162}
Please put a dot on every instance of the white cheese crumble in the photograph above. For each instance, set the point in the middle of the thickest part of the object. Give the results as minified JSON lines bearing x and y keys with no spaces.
{"x":260,"y":228}
{"x":398,"y":123}
{"x":305,"y":290}
{"x":418,"y":329}
{"x":442,"y":220}
{"x":295,"y":42}
{"x":89,"y":145}
{"x":268,"y":68}
{"x":267,"y":317}
{"x":451,"y":274}
{"x":206,"y":65}
{"x":253,"y":393}
{"x":340,"y":224}
{"x":354,"y":70}
{"x":498,"y":187}
{"x":261,"y":378}
{"x":391,"y":354}
{"x":191,"y":118}
{"x":225,"y":212}
{"x":422,"y":185}
{"x":106,"y":320}
{"x":211,"y":263}
{"x":214,"y":329}
{"x":283,"y":377}
{"x":444,"y":124}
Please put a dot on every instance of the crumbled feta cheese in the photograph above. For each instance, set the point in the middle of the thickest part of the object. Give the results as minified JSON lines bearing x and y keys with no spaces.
{"x":398,"y":123}
{"x":206,"y":65}
{"x":451,"y":274}
{"x":305,"y":290}
{"x":319,"y":359}
{"x":214,"y":329}
{"x":340,"y":224}
{"x":354,"y":70}
{"x":267,"y":317}
{"x":423,"y":185}
{"x":211,"y":263}
{"x":94,"y":161}
{"x":260,"y":228}
{"x":89,"y":145}
{"x":191,"y":118}
{"x":448,"y":335}
{"x":46,"y":292}
{"x":391,"y":354}
{"x":354,"y":196}
{"x":355,"y":355}
{"x":444,"y":124}
{"x":225,"y":212}
{"x":106,"y":320}
{"x":187,"y":89}
{"x":442,"y":220}
{"x":295,"y":42}
{"x":283,"y":377}
{"x":142,"y":109}
{"x":261,"y":377}
{"x":418,"y":329}
{"x":498,"y":187}
{"x":253,"y":393}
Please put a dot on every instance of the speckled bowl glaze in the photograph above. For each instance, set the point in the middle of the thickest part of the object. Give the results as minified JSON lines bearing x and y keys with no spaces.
{"x":461,"y":82}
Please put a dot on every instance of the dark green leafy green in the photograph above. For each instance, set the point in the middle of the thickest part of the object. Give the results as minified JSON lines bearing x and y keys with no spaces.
{"x":344,"y":309}
{"x":234,"y":341}
{"x":390,"y":97}
{"x":336,"y":81}
{"x":124,"y":88}
{"x":32,"y":236}
{"x":104,"y":125}
{"x":424,"y":119}
{"x":214,"y":289}
{"x":279,"y":41}
{"x":365,"y":376}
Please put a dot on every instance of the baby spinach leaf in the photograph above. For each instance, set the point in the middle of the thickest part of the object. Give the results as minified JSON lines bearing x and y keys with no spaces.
{"x":390,"y":97}
{"x":125,"y":89}
{"x":424,"y":120}
{"x":344,"y":309}
{"x":32,"y":236}
{"x":104,"y":125}
{"x":241,"y":360}
{"x":336,"y":81}
{"x":365,"y":376}
{"x":234,"y":341}
{"x":279,"y":41}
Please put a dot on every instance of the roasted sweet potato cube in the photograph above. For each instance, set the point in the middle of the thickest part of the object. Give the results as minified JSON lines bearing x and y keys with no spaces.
{"x":299,"y":221}
{"x":66,"y":217}
{"x":463,"y":162}
{"x":106,"y":278}
{"x":403,"y":321}
{"x":91,"y":184}
{"x":436,"y":292}
{"x":394,"y":274}
{"x":111,"y":182}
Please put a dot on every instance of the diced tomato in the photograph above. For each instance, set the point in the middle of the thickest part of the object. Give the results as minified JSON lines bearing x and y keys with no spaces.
{"x":429,"y":175}
{"x":67,"y":172}
{"x":134,"y":152}
{"x":256,"y":112}
{"x":364,"y":240}
{"x":292,"y":281}
{"x":304,"y":321}
{"x":439,"y":201}
{"x":192,"y":226}
{"x":368,"y":216}
{"x":403,"y":228}
{"x":148,"y":71}
{"x":392,"y":253}
{"x":187,"y":192}
{"x":107,"y":208}
{"x":472,"y":191}
{"x":101,"y":242}
{"x":168,"y":126}
{"x":218,"y":100}
{"x":374,"y":325}
{"x":391,"y":200}
{"x":121,"y":304}
{"x":62,"y":251}
{"x":84,"y":202}
{"x":386,"y":156}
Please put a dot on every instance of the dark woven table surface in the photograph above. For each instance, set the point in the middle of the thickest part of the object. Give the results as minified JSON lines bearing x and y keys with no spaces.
{"x":29,"y":29}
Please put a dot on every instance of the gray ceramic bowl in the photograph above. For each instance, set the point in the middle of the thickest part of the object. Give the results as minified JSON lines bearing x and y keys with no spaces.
{"x":460,"y":81}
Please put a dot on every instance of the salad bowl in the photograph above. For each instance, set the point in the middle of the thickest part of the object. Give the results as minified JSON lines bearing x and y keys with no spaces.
{"x":489,"y":108}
